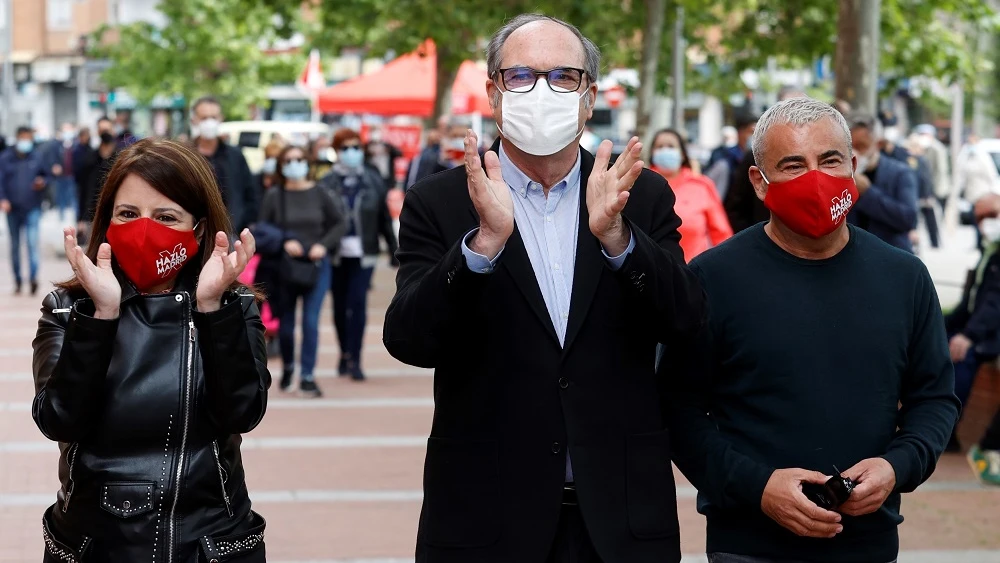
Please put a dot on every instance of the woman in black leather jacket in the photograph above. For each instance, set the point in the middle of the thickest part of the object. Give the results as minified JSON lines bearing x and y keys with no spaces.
{"x":148,"y":366}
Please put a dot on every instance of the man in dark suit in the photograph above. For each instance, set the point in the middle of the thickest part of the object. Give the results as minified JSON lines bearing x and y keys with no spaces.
{"x":537,"y":282}
{"x":887,"y":206}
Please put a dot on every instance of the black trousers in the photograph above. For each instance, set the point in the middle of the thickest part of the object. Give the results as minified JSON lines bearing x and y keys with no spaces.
{"x":572,"y":543}
{"x":991,"y":439}
{"x":732,"y":558}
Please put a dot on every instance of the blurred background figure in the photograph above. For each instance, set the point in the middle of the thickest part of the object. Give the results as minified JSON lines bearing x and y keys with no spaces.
{"x":703,"y":220}
{"x":23,"y":177}
{"x":321,"y":157}
{"x":91,"y":167}
{"x":312,"y":226}
{"x":429,"y":160}
{"x":976,"y":172}
{"x":267,"y":178}
{"x":58,"y":157}
{"x":937,"y":158}
{"x":381,"y":156}
{"x":361,"y":197}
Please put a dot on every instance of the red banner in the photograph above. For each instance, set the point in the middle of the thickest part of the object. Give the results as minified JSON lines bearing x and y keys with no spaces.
{"x":404,"y":137}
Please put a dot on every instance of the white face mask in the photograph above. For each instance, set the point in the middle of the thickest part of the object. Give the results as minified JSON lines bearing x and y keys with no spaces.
{"x":270,"y":166}
{"x":207,"y":129}
{"x":990,"y":228}
{"x":541,"y":122}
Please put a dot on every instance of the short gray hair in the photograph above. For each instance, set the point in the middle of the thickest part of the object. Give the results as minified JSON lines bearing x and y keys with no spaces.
{"x":591,"y":54}
{"x":795,"y":111}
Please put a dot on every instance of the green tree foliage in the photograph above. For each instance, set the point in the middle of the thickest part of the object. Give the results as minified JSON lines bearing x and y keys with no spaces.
{"x":205,"y":47}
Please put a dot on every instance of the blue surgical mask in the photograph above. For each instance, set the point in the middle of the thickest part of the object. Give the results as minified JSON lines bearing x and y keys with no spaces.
{"x":295,"y":170}
{"x":352,"y":157}
{"x":25,"y":146}
{"x":667,"y":158}
{"x":270,"y":165}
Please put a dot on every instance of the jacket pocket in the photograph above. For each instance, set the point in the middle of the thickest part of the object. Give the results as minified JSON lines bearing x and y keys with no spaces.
{"x":223,"y":477}
{"x":651,"y":494}
{"x":61,"y":546}
{"x":126,"y":499}
{"x":461,"y":493}
{"x":245,"y":546}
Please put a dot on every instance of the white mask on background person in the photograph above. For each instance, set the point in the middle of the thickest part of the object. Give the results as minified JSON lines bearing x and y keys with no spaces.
{"x":862,"y":163}
{"x":295,"y":170}
{"x":541,"y":122}
{"x":270,"y":166}
{"x":990,"y":229}
{"x":207,"y":129}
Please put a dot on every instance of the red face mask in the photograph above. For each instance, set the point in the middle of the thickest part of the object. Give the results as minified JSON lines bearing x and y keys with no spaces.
{"x":813,"y":204}
{"x":150,"y":253}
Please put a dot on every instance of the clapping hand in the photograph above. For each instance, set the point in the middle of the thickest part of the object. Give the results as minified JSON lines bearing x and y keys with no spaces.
{"x":491,"y":197}
{"x":607,"y":194}
{"x":222,"y":269}
{"x":98,"y":280}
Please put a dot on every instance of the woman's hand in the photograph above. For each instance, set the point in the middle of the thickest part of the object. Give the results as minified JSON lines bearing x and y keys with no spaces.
{"x":222,"y":269}
{"x":317,"y":252}
{"x":294,"y":248}
{"x":98,"y":280}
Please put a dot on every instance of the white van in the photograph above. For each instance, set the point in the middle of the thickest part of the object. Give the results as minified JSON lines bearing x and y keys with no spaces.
{"x":253,"y":136}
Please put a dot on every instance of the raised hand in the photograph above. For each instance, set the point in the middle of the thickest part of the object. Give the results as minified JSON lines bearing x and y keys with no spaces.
{"x":785,"y":503}
{"x":222,"y":269}
{"x":491,"y":197}
{"x":98,"y":280}
{"x":608,"y":191}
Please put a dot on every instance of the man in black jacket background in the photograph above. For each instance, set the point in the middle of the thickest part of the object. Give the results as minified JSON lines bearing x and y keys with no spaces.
{"x":536,"y":282}
{"x":231,"y":169}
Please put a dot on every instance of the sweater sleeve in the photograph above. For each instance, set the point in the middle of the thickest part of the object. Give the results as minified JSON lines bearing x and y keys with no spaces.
{"x":929,"y":408}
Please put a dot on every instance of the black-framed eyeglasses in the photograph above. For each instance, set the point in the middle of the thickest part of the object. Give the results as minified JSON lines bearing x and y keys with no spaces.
{"x":521,"y":79}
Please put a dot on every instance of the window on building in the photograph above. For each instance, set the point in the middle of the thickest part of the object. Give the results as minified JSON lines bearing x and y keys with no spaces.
{"x":59,"y":14}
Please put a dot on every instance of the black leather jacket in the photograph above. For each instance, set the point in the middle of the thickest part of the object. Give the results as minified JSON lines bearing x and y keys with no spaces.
{"x":148,"y":410}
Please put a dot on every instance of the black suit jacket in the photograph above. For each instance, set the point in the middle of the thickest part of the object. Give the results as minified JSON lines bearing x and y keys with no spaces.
{"x":509,"y":400}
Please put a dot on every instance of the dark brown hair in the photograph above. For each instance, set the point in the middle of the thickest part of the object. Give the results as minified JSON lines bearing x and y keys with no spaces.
{"x":344,"y":135}
{"x":177,"y":172}
{"x":681,"y":143}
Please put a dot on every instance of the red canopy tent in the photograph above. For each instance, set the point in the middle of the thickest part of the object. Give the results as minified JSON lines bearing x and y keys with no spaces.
{"x":405,"y":86}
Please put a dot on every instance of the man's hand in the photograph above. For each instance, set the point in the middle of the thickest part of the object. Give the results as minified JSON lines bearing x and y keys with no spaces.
{"x":607,"y":194}
{"x":491,"y":197}
{"x":294,"y":248}
{"x":876,"y":479}
{"x":317,"y":252}
{"x":785,"y":503}
{"x":57,"y":170}
{"x":862,"y":181}
{"x":959,"y":346}
{"x":4,"y":206}
{"x":39,"y":184}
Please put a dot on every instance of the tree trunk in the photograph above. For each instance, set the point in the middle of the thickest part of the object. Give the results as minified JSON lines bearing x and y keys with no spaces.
{"x":447,"y":70}
{"x":857,"y":54}
{"x":652,"y":36}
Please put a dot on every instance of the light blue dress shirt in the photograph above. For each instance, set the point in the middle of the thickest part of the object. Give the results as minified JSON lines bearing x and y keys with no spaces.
{"x":549,"y":228}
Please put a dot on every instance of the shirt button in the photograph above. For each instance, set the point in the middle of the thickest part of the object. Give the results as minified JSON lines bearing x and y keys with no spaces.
{"x":549,"y":219}
{"x":555,"y":266}
{"x":556,"y":447}
{"x":563,"y":383}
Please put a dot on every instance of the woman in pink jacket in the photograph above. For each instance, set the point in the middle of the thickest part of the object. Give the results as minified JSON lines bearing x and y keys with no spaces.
{"x":703,"y":219}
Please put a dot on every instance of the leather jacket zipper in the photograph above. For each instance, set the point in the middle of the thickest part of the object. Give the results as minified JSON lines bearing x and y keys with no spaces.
{"x":186,"y":408}
{"x":71,"y":455}
{"x":222,"y":478}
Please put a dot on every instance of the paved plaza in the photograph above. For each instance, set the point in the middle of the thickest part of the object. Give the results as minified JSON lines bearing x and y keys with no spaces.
{"x":339,"y":478}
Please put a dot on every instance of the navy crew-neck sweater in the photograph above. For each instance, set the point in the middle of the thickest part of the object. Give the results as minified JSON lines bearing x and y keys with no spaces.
{"x":809,"y":364}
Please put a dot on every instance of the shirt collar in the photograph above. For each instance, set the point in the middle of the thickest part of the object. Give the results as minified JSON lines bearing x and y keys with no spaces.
{"x":519,"y":181}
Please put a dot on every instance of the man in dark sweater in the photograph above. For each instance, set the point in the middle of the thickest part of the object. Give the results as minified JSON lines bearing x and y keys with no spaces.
{"x":825,"y":348}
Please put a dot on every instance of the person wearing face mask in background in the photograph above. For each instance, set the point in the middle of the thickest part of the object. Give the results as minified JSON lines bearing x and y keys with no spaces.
{"x":453,"y":146}
{"x":526,"y":278}
{"x":887,"y":189}
{"x":149,"y":364}
{"x":891,"y":146}
{"x":321,"y":158}
{"x":428,"y":161}
{"x":361,"y":197}
{"x":703,"y":220}
{"x":23,"y":177}
{"x":59,"y":158}
{"x":313,"y":225}
{"x":812,"y":358}
{"x":939,"y":159}
{"x":231,"y":170}
{"x":91,"y":170}
{"x":381,"y":157}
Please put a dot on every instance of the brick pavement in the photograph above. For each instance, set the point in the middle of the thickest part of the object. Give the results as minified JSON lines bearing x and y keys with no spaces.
{"x":339,"y":480}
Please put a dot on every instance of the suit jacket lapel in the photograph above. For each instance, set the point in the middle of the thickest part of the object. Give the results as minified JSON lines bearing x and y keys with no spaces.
{"x":590,"y":261}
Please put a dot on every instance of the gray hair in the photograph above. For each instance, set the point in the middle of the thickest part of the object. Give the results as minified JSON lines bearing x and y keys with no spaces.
{"x":795,"y":111}
{"x":591,"y":53}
